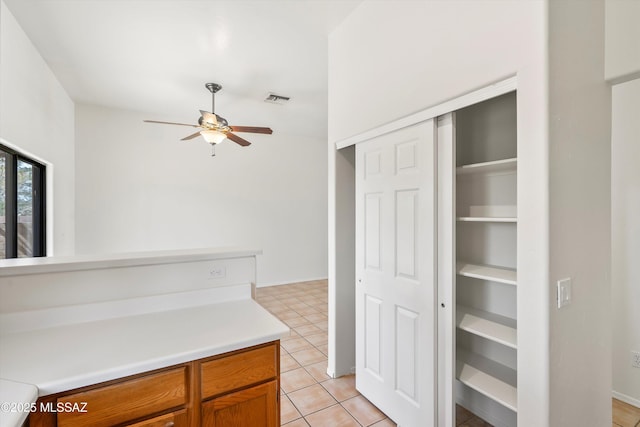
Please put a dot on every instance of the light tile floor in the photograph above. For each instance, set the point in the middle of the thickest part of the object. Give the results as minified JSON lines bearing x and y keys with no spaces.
{"x":310,"y":398}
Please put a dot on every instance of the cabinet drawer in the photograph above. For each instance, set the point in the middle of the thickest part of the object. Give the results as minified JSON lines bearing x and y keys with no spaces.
{"x":238,"y":370}
{"x":174,"y":419}
{"x":128,"y":400}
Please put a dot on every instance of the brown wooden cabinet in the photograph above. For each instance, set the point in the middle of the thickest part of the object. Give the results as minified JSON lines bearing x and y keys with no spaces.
{"x":256,"y":407}
{"x":174,"y":419}
{"x":126,"y":400}
{"x":237,"y":370}
{"x":251,"y":405}
{"x":236,"y":389}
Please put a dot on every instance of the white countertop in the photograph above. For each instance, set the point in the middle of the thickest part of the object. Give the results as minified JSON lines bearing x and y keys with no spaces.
{"x":16,"y":400}
{"x":76,"y":355}
{"x":15,"y":266}
{"x":72,"y":356}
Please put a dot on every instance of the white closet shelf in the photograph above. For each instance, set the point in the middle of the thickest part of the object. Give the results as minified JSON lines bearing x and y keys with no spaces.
{"x":486,"y":219}
{"x":505,"y":165}
{"x":487,"y":325}
{"x":486,"y":272}
{"x":489,"y":378}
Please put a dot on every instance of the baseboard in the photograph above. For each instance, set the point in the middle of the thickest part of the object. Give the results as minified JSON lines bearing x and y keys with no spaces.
{"x":264,"y":285}
{"x":336,"y":374}
{"x":626,"y":399}
{"x":331,"y":374}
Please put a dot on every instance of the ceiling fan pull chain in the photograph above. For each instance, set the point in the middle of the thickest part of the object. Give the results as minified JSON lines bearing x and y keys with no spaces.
{"x":213,"y":150}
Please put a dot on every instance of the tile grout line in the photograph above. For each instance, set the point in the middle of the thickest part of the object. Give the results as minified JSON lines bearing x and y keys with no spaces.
{"x":305,"y":367}
{"x":274,"y":298}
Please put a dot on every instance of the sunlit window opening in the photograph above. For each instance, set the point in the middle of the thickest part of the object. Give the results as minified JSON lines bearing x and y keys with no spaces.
{"x":22,"y":201}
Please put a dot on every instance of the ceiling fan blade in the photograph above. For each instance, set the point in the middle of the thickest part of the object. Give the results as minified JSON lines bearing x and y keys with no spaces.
{"x":237,"y":139}
{"x":191,"y":136}
{"x":170,"y":123}
{"x":209,"y":117}
{"x":251,"y":129}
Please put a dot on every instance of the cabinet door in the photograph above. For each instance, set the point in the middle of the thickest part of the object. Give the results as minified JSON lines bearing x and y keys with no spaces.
{"x":256,"y":407}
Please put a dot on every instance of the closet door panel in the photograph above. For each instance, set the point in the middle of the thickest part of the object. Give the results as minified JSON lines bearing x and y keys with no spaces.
{"x":373,"y":335}
{"x":406,"y":231}
{"x":372,"y":207}
{"x":395,"y":267}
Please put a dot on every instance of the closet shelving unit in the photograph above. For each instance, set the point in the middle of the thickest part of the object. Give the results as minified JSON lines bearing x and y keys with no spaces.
{"x":507,"y":276}
{"x":488,"y":325}
{"x":486,"y":219}
{"x":487,"y":167}
{"x":483,"y":375}
{"x":486,"y":259}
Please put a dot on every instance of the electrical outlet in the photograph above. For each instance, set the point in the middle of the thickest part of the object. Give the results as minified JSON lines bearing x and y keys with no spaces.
{"x":217,"y":272}
{"x":635,"y":359}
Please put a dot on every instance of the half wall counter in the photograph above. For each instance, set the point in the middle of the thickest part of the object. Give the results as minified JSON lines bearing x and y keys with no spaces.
{"x":80,"y":323}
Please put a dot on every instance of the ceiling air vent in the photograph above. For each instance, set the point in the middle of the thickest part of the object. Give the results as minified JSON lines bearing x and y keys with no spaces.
{"x":277,"y":99}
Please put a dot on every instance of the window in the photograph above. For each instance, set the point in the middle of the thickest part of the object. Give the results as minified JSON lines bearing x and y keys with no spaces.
{"x":22,"y":206}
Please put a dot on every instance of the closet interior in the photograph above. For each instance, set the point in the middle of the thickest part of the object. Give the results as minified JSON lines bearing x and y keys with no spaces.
{"x":486,"y":283}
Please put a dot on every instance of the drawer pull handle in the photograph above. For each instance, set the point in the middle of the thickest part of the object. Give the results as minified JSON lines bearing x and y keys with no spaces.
{"x":169,"y":424}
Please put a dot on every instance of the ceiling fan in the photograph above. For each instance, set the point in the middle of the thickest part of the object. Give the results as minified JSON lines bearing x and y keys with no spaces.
{"x":215,"y":128}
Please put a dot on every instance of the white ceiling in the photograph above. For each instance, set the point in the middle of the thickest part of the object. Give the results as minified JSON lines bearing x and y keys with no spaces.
{"x":156,"y":55}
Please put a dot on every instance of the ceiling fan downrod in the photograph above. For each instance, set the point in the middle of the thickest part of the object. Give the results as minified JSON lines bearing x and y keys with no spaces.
{"x":213,"y":88}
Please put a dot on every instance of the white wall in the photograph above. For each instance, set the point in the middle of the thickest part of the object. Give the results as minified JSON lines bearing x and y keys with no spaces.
{"x":625,"y":205}
{"x":139,"y":188}
{"x":81,"y":283}
{"x":37,"y":118}
{"x":623,"y":65}
{"x":622,"y":40}
{"x":390,"y":59}
{"x":342,"y":228}
{"x":580,"y":220}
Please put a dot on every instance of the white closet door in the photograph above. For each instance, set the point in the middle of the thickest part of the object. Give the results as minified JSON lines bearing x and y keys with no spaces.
{"x":396,"y":273}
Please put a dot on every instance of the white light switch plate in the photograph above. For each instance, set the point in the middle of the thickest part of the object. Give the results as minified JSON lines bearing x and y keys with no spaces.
{"x":635,"y":359}
{"x":564,"y":292}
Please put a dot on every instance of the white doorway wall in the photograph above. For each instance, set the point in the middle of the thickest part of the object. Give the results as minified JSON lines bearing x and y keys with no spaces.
{"x":341,"y":262}
{"x":625,"y":239}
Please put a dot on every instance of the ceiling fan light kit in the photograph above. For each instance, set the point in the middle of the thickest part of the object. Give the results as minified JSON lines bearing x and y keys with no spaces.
{"x":213,"y":136}
{"x":215,"y":128}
